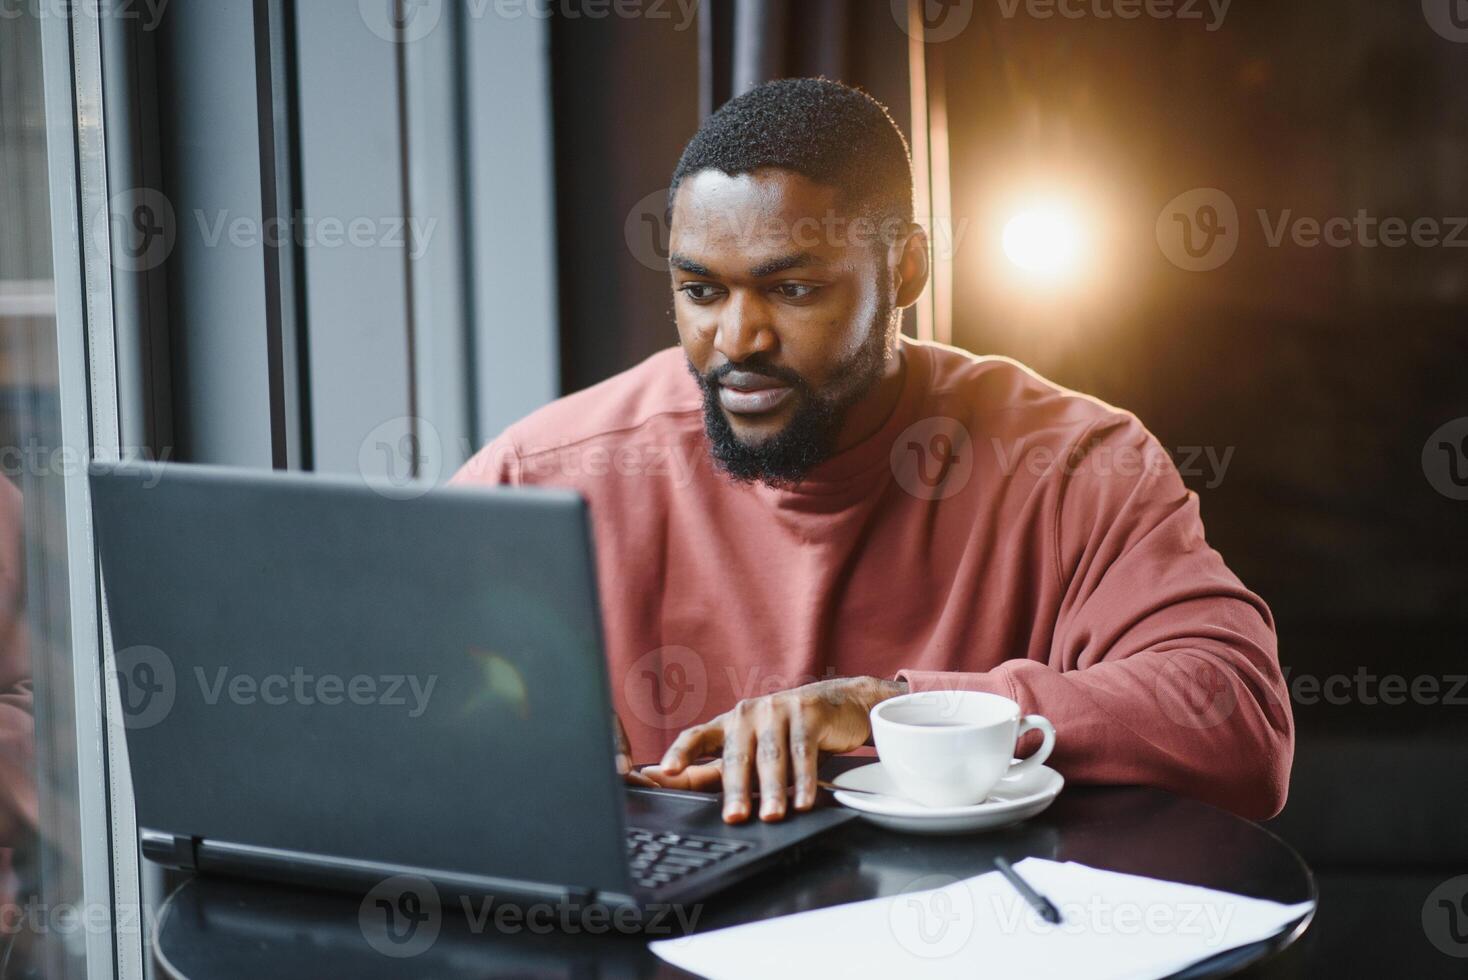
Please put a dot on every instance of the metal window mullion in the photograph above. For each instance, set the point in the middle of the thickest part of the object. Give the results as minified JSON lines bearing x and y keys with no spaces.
{"x":277,"y":205}
{"x":435,"y":180}
{"x":65,"y":118}
{"x":96,"y":244}
{"x":917,"y":77}
{"x":76,"y":161}
{"x":97,"y":237}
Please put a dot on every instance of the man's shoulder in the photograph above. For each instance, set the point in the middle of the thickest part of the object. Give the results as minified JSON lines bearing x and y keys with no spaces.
{"x":658,"y":395}
{"x":1004,"y":399}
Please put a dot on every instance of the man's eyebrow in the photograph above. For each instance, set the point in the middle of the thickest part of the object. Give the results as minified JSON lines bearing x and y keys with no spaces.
{"x":769,"y":267}
{"x":783,"y":264}
{"x":689,"y":266}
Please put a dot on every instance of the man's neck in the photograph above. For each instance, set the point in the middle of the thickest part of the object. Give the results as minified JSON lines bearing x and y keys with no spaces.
{"x":865,"y":418}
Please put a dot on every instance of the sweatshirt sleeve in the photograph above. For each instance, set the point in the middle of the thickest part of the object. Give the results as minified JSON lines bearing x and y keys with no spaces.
{"x":1163,"y":668}
{"x":496,"y":464}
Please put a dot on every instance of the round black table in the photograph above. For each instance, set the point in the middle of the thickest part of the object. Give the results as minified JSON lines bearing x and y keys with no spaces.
{"x":221,"y":927}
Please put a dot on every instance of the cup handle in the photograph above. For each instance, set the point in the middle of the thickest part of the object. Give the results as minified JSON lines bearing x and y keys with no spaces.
{"x":1033,"y":723}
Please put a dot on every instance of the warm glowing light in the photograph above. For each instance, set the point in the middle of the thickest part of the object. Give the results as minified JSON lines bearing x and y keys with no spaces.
{"x":1045,"y":241}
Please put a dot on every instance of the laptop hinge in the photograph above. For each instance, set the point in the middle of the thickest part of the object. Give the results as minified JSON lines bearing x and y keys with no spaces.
{"x":170,"y":850}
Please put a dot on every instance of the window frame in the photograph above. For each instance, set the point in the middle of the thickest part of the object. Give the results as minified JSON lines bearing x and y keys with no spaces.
{"x":87,"y":403}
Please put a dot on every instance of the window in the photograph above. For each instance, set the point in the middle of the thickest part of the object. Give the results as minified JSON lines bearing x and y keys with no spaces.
{"x":68,"y":904}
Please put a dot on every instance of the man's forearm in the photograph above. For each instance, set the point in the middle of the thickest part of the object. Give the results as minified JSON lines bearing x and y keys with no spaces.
{"x":1206,"y":720}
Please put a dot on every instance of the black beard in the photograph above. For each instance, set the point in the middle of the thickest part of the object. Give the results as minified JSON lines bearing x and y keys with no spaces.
{"x":809,"y":438}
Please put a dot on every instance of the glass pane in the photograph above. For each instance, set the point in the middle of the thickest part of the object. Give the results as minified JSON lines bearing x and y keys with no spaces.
{"x":44,"y":924}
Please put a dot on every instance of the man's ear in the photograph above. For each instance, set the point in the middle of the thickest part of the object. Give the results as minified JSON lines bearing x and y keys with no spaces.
{"x":910,"y":270}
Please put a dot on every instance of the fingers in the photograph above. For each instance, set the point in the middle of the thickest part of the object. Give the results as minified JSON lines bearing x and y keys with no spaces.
{"x":693,"y":743}
{"x":771,"y":760}
{"x":624,"y":748}
{"x":635,"y":777}
{"x":701,"y":778}
{"x":738,"y":760}
{"x":804,"y":761}
{"x":768,"y":741}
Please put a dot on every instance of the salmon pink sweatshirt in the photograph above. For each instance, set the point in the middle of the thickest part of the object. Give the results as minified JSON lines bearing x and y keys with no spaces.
{"x":998,"y":533}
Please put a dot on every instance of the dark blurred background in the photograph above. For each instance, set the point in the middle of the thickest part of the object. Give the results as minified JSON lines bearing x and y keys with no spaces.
{"x":1301,"y":382}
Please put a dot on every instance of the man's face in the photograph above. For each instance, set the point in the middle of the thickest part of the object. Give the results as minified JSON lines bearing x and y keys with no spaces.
{"x":784,"y":308}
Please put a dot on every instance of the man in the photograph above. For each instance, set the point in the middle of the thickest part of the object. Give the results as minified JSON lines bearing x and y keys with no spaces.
{"x":800,"y":513}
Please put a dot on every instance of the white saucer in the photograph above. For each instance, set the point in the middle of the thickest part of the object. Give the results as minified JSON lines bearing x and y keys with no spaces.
{"x":1011,"y":801}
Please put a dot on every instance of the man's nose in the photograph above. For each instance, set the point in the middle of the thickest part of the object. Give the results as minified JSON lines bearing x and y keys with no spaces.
{"x":745,"y":328}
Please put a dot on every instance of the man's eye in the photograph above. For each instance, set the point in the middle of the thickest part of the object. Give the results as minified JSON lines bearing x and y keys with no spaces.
{"x":795,"y":290}
{"x":699,"y":292}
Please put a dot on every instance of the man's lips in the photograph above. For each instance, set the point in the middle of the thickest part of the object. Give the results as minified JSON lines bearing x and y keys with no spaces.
{"x":744,"y":393}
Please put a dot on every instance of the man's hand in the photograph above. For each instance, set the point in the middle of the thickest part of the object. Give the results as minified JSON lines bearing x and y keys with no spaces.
{"x":774,"y":738}
{"x":624,"y":755}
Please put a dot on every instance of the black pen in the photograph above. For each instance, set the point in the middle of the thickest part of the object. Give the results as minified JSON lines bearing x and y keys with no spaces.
{"x":1038,"y":902}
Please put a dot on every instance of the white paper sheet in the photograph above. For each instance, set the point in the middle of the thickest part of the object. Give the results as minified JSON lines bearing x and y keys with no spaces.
{"x":1113,"y":926}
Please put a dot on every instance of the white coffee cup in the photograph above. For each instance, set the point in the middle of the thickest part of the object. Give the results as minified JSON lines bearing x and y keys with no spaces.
{"x":950,"y":748}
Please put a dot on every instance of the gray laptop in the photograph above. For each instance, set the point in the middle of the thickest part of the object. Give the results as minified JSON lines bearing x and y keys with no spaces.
{"x":329,"y":683}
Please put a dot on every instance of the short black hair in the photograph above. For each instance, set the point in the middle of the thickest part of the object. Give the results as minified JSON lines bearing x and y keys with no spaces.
{"x":828,"y":132}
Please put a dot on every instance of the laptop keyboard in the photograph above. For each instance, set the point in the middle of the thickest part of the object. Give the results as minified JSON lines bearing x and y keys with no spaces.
{"x":658,"y":858}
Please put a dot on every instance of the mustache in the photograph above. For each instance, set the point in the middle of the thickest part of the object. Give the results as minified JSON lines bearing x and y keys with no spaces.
{"x":756,"y":365}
